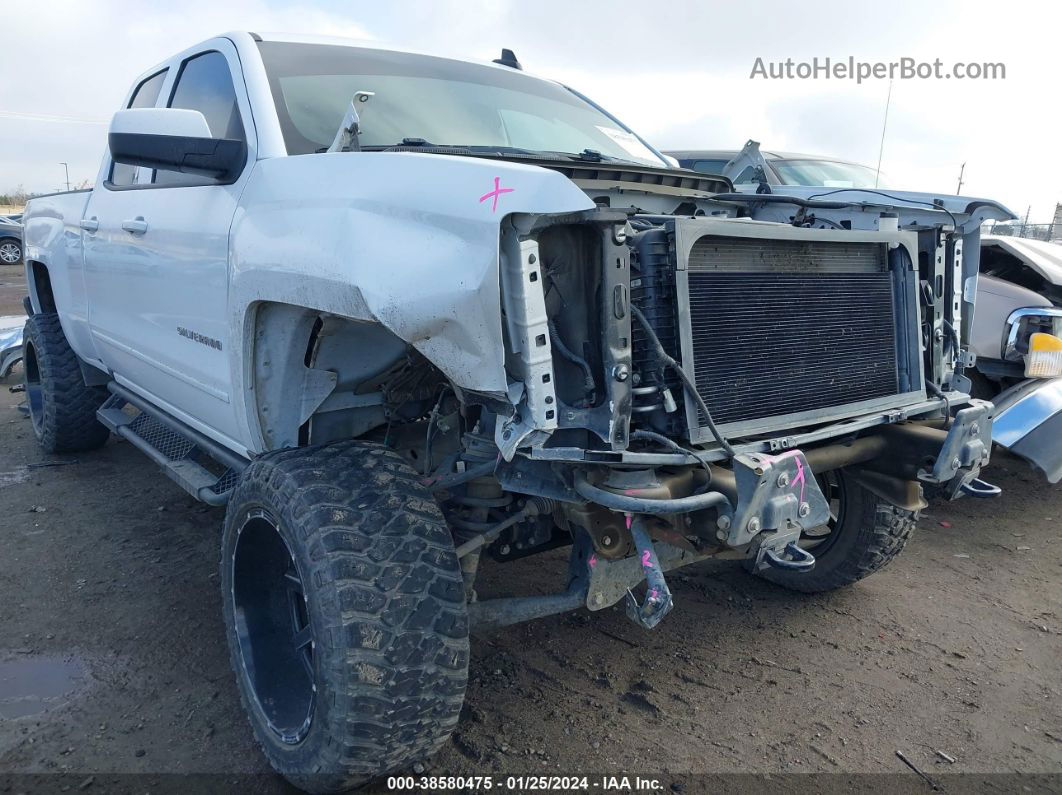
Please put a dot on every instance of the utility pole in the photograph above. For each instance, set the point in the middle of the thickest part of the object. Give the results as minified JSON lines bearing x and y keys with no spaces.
{"x":884,"y":123}
{"x":958,"y":190}
{"x":67,"y":169}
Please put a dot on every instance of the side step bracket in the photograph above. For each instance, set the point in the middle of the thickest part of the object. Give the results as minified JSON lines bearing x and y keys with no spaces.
{"x":197,"y":464}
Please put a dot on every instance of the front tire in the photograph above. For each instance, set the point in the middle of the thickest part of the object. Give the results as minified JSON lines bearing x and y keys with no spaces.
{"x":345,"y":613}
{"x":864,"y":534}
{"x":62,"y":408}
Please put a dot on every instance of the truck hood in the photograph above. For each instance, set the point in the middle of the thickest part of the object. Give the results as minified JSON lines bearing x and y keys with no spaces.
{"x":935,"y":205}
{"x":976,"y":209}
{"x":409,"y":241}
{"x":605,"y":177}
{"x":1042,"y":257}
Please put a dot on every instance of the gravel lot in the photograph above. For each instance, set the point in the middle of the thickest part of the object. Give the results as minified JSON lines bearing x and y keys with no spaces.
{"x":113,"y":659}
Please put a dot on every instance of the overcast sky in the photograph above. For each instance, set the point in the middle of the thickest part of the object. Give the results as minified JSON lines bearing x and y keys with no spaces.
{"x":677,"y":72}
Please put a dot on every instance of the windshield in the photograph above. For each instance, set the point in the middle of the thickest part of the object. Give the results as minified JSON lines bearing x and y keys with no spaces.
{"x":826,"y":174}
{"x":443,"y":102}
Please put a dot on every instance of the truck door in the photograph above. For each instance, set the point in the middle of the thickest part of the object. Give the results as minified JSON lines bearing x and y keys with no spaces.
{"x":156,"y":259}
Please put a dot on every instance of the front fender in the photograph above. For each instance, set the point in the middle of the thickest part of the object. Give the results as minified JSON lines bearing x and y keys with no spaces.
{"x":404,"y":239}
{"x":1028,"y":423}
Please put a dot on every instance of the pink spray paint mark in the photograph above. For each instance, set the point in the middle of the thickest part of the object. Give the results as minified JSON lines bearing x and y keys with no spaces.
{"x":498,"y":191}
{"x":647,"y":561}
{"x":592,"y":561}
{"x":800,"y":477}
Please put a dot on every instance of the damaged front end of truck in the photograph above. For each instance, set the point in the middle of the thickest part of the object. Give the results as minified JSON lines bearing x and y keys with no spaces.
{"x":693,"y":385}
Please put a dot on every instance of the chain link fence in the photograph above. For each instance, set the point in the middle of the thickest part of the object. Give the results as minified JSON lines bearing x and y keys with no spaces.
{"x":1048,"y":232}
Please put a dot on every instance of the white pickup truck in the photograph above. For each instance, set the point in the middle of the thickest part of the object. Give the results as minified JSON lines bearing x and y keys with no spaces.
{"x":404,"y":314}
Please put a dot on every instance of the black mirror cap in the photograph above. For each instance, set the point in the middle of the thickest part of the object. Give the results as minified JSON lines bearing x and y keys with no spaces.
{"x":220,"y":158}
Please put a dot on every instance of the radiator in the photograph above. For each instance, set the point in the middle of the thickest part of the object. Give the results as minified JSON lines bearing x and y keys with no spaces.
{"x":781,"y":333}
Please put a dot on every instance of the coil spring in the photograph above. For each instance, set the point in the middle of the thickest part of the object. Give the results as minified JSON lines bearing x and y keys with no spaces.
{"x":472,"y":510}
{"x":644,"y":392}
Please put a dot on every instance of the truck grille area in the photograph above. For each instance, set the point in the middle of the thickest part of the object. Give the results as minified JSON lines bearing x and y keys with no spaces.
{"x":778,"y":327}
{"x":768,"y":343}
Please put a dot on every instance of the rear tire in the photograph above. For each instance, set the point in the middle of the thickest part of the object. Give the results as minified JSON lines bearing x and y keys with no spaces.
{"x":62,"y":408}
{"x":363,"y":671}
{"x":866,"y":535}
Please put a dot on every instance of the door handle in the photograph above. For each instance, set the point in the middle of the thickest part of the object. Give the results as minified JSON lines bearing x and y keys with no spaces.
{"x":90,"y":225}
{"x":136,"y":226}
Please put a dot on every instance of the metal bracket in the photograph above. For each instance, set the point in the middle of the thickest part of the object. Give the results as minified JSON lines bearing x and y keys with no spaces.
{"x":531,"y":352}
{"x":346,"y":139}
{"x":966,"y":448}
{"x":610,"y":580}
{"x":775,"y":493}
{"x":317,"y":385}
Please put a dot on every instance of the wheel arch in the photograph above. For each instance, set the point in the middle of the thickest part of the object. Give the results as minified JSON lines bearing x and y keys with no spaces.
{"x":39,"y":281}
{"x":308,"y":371}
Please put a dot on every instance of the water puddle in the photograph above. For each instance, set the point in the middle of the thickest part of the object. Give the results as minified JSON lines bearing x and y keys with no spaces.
{"x":30,"y":685}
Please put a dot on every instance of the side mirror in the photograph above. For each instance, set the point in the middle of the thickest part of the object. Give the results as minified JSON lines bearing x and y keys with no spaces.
{"x":174,"y":139}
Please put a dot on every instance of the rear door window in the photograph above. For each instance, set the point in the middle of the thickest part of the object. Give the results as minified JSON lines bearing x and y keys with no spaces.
{"x":146,"y":95}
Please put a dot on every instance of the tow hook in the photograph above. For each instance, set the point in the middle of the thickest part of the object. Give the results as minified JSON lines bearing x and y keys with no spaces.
{"x":980,"y":488}
{"x":658,"y":601}
{"x":799,"y":559}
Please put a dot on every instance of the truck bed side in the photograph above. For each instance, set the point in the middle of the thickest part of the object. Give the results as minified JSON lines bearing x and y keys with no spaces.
{"x":55,"y":264}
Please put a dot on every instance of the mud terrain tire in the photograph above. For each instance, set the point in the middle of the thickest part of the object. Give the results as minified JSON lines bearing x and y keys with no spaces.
{"x":869,"y":533}
{"x":62,"y":408}
{"x":382,"y":599}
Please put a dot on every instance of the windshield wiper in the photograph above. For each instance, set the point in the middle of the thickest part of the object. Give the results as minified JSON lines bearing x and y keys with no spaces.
{"x":593,"y":156}
{"x":420,"y":143}
{"x":413,"y":144}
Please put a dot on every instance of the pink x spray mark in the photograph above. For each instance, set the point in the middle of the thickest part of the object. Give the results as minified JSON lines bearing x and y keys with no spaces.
{"x":498,"y":191}
{"x":800,"y":477}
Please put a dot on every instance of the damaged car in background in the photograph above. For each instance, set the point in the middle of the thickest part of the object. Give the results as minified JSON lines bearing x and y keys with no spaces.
{"x":10,"y":343}
{"x":1011,"y":346}
{"x":1017,"y":336}
{"x":406,"y":316}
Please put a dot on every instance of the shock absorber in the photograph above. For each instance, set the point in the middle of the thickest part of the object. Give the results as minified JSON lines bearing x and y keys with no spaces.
{"x":471,"y":517}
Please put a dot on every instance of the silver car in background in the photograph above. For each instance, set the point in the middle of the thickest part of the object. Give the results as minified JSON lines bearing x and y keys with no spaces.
{"x":10,"y":239}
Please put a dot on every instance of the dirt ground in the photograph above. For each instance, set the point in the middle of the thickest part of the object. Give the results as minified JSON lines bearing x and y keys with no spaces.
{"x":12,"y":289}
{"x":113,"y":658}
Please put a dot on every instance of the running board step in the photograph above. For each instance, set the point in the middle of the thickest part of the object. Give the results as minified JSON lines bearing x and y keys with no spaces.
{"x":182,"y":453}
